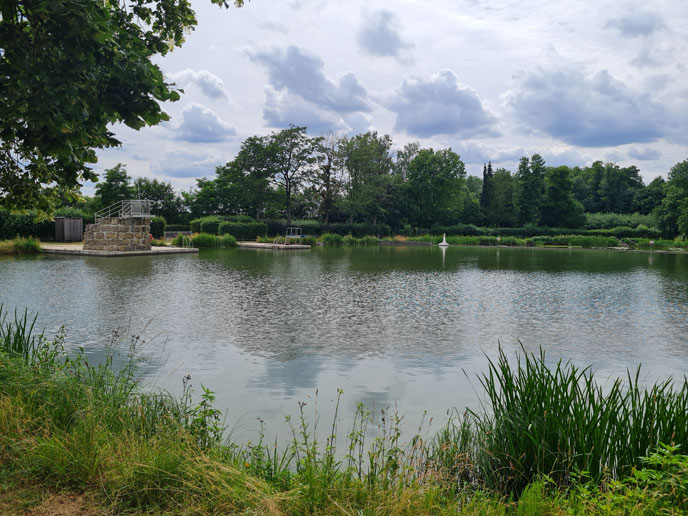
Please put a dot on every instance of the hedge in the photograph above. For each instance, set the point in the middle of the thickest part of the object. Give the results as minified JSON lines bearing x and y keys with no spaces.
{"x":157,"y":227}
{"x":178,"y":227}
{"x":211,"y":226}
{"x":25,"y":225}
{"x":196,"y":223}
{"x":531,"y":230}
{"x":278,"y":227}
{"x":243,"y":230}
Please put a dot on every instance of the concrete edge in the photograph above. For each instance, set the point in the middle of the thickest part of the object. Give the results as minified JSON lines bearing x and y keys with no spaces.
{"x":154,"y":251}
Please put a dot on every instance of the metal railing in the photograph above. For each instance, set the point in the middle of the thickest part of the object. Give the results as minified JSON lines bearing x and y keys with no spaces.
{"x":132,"y":208}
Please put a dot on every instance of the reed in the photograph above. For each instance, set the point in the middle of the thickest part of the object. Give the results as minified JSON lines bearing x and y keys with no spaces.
{"x":558,"y":421}
{"x":550,"y":441}
{"x":20,"y":245}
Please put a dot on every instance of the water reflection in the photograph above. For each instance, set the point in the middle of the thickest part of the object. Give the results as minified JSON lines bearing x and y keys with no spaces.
{"x":388,"y":324}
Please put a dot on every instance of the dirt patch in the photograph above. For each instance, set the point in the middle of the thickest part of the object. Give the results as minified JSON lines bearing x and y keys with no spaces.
{"x":66,"y":505}
{"x":37,"y":502}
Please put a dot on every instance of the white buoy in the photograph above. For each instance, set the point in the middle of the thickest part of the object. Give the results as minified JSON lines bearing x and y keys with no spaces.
{"x":444,"y":243}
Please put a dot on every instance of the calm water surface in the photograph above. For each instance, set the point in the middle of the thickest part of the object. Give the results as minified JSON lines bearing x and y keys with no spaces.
{"x":404,"y":326}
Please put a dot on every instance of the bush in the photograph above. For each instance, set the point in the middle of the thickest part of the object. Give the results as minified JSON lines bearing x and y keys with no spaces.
{"x":20,"y":245}
{"x":332,"y":239}
{"x":196,"y":224}
{"x":227,"y":241}
{"x":308,"y":240}
{"x":157,"y":227}
{"x":243,"y":230}
{"x":178,"y":227}
{"x":211,"y":225}
{"x":644,"y":243}
{"x":204,"y":240}
{"x":613,"y":220}
{"x":88,"y":217}
{"x":487,"y":240}
{"x":349,"y":241}
{"x":24,"y":225}
{"x":278,"y":227}
{"x":182,"y":241}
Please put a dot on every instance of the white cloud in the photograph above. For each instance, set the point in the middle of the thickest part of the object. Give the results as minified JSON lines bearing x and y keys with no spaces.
{"x":283,"y":108}
{"x":440,"y":105}
{"x":587,"y":110}
{"x":646,"y":154}
{"x":183,"y":164}
{"x":210,"y":84}
{"x":302,"y":74}
{"x":637,"y":24}
{"x":379,"y":35}
{"x":202,"y":125}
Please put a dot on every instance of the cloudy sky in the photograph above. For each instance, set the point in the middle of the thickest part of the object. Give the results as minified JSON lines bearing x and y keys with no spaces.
{"x":575,"y":81}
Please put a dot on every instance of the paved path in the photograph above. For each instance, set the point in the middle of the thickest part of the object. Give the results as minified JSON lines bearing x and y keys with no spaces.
{"x":258,"y":245}
{"x":77,"y":248}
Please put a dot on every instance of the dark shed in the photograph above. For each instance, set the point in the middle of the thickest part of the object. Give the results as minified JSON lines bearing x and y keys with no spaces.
{"x":69,"y":229}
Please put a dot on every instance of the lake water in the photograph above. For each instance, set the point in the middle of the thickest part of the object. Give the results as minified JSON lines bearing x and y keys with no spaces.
{"x":392,"y":326}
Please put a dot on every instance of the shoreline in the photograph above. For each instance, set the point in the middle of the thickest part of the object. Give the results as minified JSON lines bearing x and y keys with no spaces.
{"x":544,"y":248}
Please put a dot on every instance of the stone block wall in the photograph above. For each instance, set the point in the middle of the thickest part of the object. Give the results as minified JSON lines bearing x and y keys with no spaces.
{"x":118,"y":234}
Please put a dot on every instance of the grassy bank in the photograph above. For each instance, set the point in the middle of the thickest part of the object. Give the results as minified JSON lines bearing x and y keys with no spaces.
{"x":551,"y":441}
{"x":20,"y":245}
{"x":583,"y":241}
{"x":204,"y":240}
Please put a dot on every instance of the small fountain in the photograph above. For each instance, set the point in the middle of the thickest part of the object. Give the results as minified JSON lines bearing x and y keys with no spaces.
{"x":444,"y":243}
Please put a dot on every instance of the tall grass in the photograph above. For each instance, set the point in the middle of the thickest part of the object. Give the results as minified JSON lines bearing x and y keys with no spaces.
{"x":20,"y":245}
{"x":558,"y":421}
{"x":205,"y":240}
{"x":65,"y":422}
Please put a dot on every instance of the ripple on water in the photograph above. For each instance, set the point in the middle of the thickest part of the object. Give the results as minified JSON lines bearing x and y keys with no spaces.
{"x":386,"y":324}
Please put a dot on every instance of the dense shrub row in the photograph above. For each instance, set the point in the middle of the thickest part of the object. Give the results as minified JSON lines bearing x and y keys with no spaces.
{"x":243,"y":230}
{"x":197,"y":225}
{"x":178,"y":227}
{"x":613,"y":220}
{"x":532,"y":230}
{"x":157,"y":227}
{"x":336,"y":240}
{"x":14,"y":224}
{"x":278,"y":227}
{"x":537,"y":241}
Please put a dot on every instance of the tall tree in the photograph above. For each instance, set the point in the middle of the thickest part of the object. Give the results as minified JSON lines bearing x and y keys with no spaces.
{"x":673,"y":212}
{"x":650,"y":197}
{"x":618,"y":187}
{"x":560,"y":208}
{"x":531,"y":188}
{"x":292,"y":155}
{"x":326,"y":178}
{"x":436,"y":187}
{"x":404,"y":158}
{"x":244,"y":182}
{"x":165,"y":202}
{"x":487,"y":195}
{"x":116,"y":186}
{"x":503,"y":208}
{"x":367,"y":164}
{"x":70,"y":69}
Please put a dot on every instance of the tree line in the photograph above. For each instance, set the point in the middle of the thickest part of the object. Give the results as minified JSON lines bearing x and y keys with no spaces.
{"x":360,"y":178}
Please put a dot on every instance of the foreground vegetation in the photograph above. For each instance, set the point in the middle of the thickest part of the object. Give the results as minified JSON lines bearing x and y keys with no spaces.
{"x":552,"y":441}
{"x":583,"y":241}
{"x":20,"y":245}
